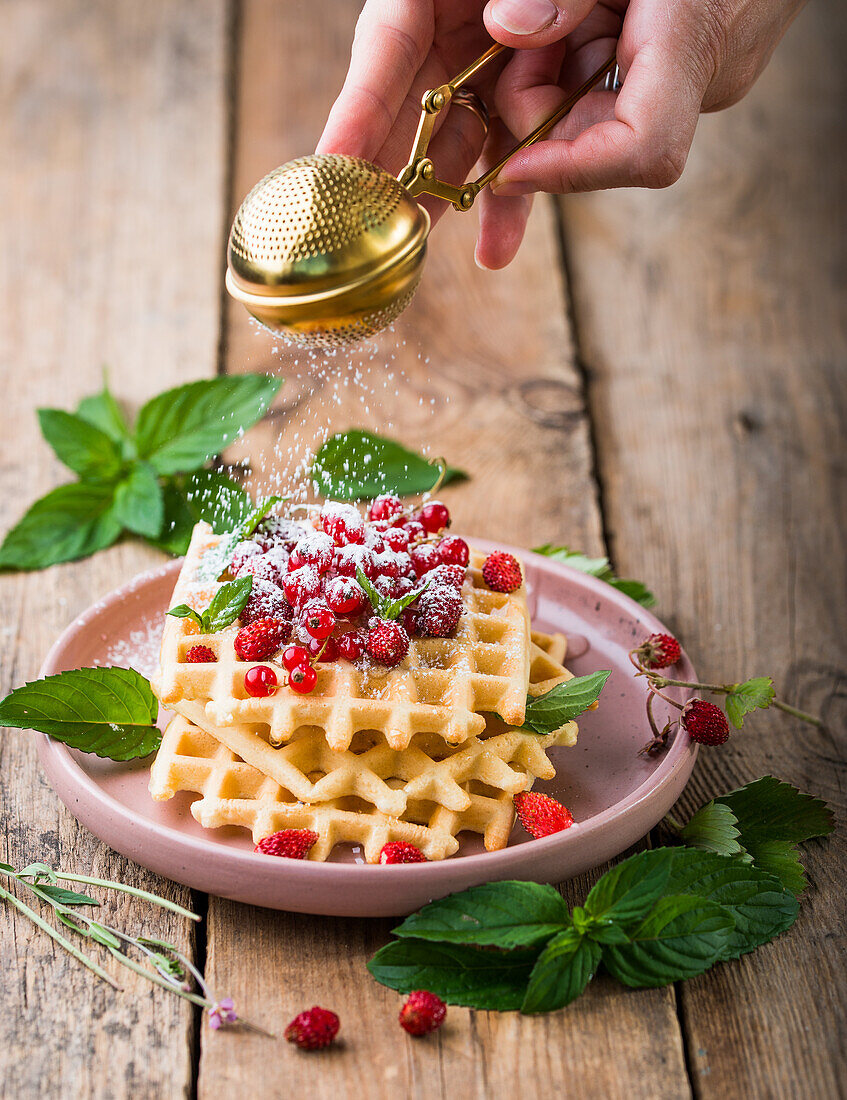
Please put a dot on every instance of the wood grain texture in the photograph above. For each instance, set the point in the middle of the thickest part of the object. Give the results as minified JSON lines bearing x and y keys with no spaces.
{"x":480,"y":369}
{"x":111,"y":191}
{"x":711,"y":321}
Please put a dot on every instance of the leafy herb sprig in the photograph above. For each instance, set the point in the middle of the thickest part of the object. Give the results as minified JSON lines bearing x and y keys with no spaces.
{"x":600,"y":568}
{"x":227,"y":604}
{"x":566,"y":701}
{"x":385,"y":607}
{"x":358,"y":465}
{"x":163,"y":963}
{"x":658,"y":917}
{"x":148,"y":479}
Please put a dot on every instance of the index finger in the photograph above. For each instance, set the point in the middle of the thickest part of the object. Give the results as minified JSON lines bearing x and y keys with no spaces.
{"x":391,"y":42}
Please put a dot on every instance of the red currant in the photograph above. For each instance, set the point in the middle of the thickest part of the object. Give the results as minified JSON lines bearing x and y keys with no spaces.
{"x":453,"y":550}
{"x":424,"y":558}
{"x":351,"y":645}
{"x":293,"y":656}
{"x":344,"y":596}
{"x":385,"y":507}
{"x":434,"y":516}
{"x":323,"y":649}
{"x":396,"y":538}
{"x":312,"y":549}
{"x":260,"y":681}
{"x":343,"y":523}
{"x":301,"y":585}
{"x":350,"y":558}
{"x":319,"y":621}
{"x":302,"y":679}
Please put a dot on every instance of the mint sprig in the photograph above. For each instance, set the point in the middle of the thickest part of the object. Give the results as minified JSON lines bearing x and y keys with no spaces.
{"x":358,"y":465}
{"x":136,"y":479}
{"x":385,"y":607}
{"x":227,"y":604}
{"x":600,"y":568}
{"x":110,"y":712}
{"x":566,"y":701}
{"x":658,"y":917}
{"x":218,"y":559}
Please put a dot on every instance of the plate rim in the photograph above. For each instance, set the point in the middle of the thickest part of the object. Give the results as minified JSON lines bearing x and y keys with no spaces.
{"x":64,"y":771}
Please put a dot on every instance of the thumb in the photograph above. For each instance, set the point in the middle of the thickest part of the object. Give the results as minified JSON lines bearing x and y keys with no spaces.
{"x":528,"y":24}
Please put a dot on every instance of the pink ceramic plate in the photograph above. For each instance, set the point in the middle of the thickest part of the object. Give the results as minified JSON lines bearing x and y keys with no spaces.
{"x":615,"y":795}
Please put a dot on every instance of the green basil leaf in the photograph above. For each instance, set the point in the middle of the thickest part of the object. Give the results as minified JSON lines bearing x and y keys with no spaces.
{"x":563,"y":970}
{"x":760,"y":906}
{"x":183,"y":611}
{"x":61,"y":896}
{"x":713,"y":829}
{"x":71,"y":522}
{"x":103,"y":411}
{"x":459,"y":975}
{"x":600,"y":568}
{"x":227,"y":604}
{"x":496,"y":914}
{"x":682,"y":937}
{"x":184,"y":427}
{"x":752,"y":694}
{"x":139,"y":505}
{"x":358,"y":465}
{"x":565,"y":702}
{"x":110,"y":712}
{"x":628,"y":891}
{"x":83,"y":448}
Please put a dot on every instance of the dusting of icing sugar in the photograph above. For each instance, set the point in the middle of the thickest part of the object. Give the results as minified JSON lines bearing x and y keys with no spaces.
{"x":139,"y":650}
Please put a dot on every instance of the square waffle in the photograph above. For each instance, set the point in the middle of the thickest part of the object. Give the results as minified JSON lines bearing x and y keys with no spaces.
{"x":442,"y":687}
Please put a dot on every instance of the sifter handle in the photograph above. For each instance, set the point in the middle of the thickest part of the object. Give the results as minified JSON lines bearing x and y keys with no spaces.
{"x":418,"y":177}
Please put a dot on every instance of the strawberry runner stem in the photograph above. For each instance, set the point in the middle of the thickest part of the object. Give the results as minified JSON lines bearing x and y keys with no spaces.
{"x":164,"y":903}
{"x":727,"y":689}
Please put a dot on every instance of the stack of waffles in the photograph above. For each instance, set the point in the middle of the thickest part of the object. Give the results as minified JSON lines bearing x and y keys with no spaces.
{"x":417,"y":753}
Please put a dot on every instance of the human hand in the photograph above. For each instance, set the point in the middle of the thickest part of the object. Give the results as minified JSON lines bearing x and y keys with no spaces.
{"x":677,"y":58}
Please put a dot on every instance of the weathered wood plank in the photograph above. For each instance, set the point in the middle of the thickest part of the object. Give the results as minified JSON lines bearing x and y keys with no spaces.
{"x":111,"y":192}
{"x":711,"y":322}
{"x":468,"y":360}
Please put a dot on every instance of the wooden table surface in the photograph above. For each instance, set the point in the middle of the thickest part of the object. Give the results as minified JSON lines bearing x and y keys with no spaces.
{"x":659,"y":376}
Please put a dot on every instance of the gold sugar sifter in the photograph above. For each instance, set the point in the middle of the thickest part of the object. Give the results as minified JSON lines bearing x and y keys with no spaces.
{"x":328,"y":249}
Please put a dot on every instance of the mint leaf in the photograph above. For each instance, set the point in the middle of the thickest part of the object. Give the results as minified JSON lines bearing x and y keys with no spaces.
{"x":760,"y":906}
{"x":253,"y":518}
{"x":682,"y":937}
{"x":217,"y":560}
{"x":563,"y":970}
{"x":110,"y":712}
{"x":565,"y":702}
{"x":83,"y":448}
{"x":748,"y":696}
{"x":71,"y":522}
{"x":181,"y":429}
{"x":177,"y":521}
{"x":628,"y":891}
{"x":103,"y":411}
{"x":713,"y":828}
{"x":207,"y":495}
{"x":183,"y":611}
{"x":358,"y":465}
{"x":139,"y":505}
{"x":491,"y":980}
{"x":600,"y":568}
{"x":227,"y":604}
{"x":496,"y":914}
{"x":781,"y":859}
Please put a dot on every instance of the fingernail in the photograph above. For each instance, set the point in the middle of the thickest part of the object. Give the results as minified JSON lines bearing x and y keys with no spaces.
{"x":509,"y":190}
{"x":524,"y":16}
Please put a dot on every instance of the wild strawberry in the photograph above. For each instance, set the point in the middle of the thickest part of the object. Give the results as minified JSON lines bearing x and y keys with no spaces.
{"x":242,"y":552}
{"x":266,"y":602}
{"x":434,"y":516}
{"x":422,"y":1013}
{"x":659,"y":651}
{"x":453,"y":550}
{"x":291,"y":843}
{"x":452,"y":575}
{"x":302,"y":679}
{"x":313,"y":1029}
{"x":439,"y":610}
{"x":324,"y":650}
{"x":344,"y":596}
{"x":387,"y":642}
{"x":541,"y":815}
{"x":261,"y":639}
{"x":502,"y":572}
{"x":302,"y":585}
{"x":385,"y":507}
{"x":351,"y":645}
{"x":260,"y":681}
{"x":424,"y":558}
{"x":294,"y":655}
{"x":315,"y":549}
{"x":409,"y":621}
{"x":317,"y":620}
{"x":277,"y":531}
{"x":200,"y":655}
{"x":704,"y":722}
{"x":271,"y":567}
{"x":398,"y":851}
{"x":343,"y":523}
{"x":395,"y":538}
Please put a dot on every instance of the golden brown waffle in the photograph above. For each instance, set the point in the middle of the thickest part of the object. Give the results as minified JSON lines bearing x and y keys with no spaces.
{"x":236,"y":793}
{"x":442,"y":687}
